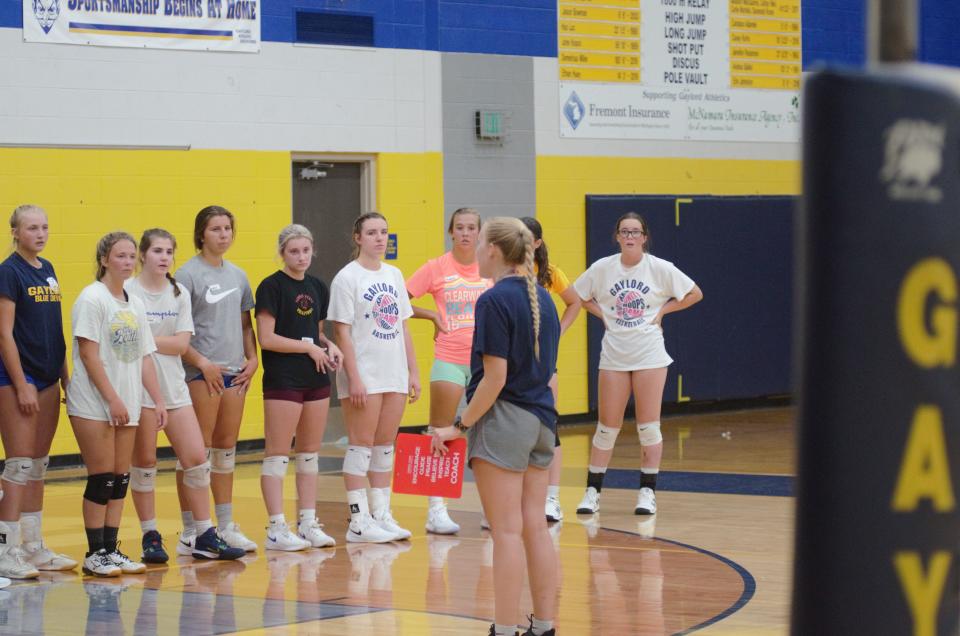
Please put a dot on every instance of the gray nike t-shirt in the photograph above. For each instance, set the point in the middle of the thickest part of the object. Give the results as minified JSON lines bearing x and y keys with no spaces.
{"x":219,"y":295}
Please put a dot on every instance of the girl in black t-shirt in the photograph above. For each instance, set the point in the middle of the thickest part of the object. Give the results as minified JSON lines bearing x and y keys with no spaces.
{"x":291,"y":308}
{"x":32,"y":362}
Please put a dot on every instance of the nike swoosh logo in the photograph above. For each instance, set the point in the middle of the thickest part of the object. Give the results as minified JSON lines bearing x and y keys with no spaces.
{"x":359,"y":534}
{"x":228,"y":454}
{"x":215,"y":297}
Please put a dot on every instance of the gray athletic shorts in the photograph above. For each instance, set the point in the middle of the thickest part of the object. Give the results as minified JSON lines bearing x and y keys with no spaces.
{"x":510,"y":437}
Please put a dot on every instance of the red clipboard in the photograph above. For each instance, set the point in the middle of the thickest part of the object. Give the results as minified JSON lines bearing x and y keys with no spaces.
{"x":417,"y":472}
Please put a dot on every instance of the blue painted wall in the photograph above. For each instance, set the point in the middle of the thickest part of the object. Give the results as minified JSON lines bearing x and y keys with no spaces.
{"x":833,"y":30}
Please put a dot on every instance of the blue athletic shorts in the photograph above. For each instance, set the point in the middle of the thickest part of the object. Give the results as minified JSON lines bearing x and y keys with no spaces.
{"x":227,"y":379}
{"x":40,"y":384}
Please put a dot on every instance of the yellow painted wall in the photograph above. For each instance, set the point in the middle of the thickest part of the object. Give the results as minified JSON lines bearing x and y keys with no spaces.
{"x":90,"y":192}
{"x":564,"y":182}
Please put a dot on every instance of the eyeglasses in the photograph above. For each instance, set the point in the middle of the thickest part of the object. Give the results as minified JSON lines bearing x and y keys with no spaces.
{"x":631,"y":233}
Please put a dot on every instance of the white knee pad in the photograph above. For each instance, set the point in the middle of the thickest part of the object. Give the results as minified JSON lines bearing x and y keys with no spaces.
{"x":649,"y":433}
{"x":17,"y":469}
{"x":143,"y":479}
{"x":197,"y":476}
{"x":275,"y":466}
{"x":382,"y":459}
{"x":605,"y":437}
{"x":39,"y":469}
{"x":357,"y":460}
{"x":223,"y":460}
{"x":307,"y":463}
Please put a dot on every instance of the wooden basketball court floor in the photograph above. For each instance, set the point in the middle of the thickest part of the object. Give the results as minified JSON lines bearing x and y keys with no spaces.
{"x":716,"y":558}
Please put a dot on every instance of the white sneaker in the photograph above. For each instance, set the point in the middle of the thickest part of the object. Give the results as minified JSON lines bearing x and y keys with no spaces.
{"x":439,"y":521}
{"x":235,"y":538}
{"x":279,"y":537}
{"x":5,"y":582}
{"x":590,"y":504}
{"x":13,"y":565}
{"x":46,"y":560}
{"x":646,"y":502}
{"x":188,"y":539}
{"x":386,"y":521}
{"x":123,"y":562}
{"x":552,"y":509}
{"x":100,"y":564}
{"x":366,"y":530}
{"x":312,"y":532}
{"x":484,"y":523}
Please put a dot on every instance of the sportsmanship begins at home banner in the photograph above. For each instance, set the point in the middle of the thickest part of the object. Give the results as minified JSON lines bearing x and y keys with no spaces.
{"x":205,"y":25}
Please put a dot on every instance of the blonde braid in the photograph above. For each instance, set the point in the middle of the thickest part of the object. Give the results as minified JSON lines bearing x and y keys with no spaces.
{"x":531,"y":279}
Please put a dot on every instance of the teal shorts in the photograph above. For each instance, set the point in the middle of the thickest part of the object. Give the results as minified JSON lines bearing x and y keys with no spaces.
{"x":443,"y":371}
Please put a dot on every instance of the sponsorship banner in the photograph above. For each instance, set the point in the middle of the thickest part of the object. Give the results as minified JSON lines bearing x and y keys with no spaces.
{"x":416,"y":471}
{"x":711,"y":70}
{"x":204,"y":25}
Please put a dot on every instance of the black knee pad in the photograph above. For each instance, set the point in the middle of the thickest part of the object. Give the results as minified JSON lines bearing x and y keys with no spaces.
{"x":99,"y":488}
{"x":120,"y":486}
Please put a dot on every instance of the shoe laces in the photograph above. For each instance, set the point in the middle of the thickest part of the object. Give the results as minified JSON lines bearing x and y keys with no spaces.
{"x":102,"y":558}
{"x":120,"y":556}
{"x":17,"y":555}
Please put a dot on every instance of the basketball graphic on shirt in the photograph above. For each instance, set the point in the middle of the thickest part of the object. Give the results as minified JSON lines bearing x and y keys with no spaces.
{"x":630,"y":305}
{"x":385,"y":311}
{"x":304,"y":304}
{"x":125,"y":335}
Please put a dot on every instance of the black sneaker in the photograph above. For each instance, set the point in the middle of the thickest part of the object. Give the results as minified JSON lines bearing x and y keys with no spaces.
{"x":211,"y":545}
{"x":153,"y":551}
{"x":550,"y":632}
{"x":493,"y":630}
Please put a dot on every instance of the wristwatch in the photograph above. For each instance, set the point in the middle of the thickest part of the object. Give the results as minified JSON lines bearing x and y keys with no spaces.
{"x":458,"y":424}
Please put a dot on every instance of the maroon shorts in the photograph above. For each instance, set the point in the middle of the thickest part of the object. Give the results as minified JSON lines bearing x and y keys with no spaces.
{"x":297,"y":395}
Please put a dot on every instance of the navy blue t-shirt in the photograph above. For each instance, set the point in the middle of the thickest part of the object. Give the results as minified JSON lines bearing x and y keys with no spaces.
{"x":504,"y":328}
{"x":38,"y":324}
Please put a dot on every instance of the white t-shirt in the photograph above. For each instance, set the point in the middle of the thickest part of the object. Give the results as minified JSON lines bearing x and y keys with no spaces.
{"x":168,"y":315}
{"x":374,"y":304}
{"x":123,"y":333}
{"x":630,"y":298}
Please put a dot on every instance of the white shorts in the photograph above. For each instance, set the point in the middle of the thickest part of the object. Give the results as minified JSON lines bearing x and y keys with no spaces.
{"x":633,"y":352}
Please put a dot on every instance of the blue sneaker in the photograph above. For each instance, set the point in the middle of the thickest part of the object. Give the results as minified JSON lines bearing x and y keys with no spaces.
{"x":210,"y":545}
{"x":153,"y":551}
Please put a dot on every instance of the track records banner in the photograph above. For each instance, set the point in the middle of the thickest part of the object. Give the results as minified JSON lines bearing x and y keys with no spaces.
{"x":205,"y":25}
{"x":710,"y":70}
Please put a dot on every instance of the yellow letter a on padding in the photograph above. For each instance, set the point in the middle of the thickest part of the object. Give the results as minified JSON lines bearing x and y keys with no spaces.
{"x":925,"y":471}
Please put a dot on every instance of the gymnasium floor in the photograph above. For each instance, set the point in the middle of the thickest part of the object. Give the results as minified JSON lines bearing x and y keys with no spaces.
{"x":715,"y":560}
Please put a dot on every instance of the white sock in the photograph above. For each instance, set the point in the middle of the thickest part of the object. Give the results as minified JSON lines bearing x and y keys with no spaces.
{"x":553,"y":491}
{"x":224,"y":515}
{"x":436,"y":502}
{"x":148,"y":525}
{"x":357,"y":500}
{"x":307,"y":515}
{"x":187,"y":518}
{"x":379,"y":500}
{"x":277,"y":520}
{"x":504,"y":630}
{"x":202,"y":526}
{"x":540,"y":626}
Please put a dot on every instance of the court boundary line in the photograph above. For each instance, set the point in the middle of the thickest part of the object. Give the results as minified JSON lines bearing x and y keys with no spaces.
{"x":749,"y":583}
